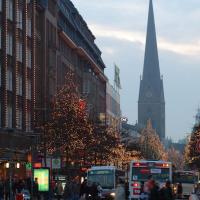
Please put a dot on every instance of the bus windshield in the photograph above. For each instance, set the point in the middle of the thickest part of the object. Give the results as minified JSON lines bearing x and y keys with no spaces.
{"x":181,"y":177}
{"x":158,"y":174}
{"x":104,"y":177}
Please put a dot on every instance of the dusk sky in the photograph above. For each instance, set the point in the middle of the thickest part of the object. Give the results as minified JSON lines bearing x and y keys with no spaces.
{"x":120,"y":30}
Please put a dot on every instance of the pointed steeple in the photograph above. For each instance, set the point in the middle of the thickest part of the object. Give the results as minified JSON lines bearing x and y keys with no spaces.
{"x":151,"y":104}
{"x":151,"y":62}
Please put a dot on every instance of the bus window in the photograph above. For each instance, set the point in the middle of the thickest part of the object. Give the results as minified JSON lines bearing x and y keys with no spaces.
{"x":142,"y":174}
{"x":104,"y":177}
{"x":184,"y":178}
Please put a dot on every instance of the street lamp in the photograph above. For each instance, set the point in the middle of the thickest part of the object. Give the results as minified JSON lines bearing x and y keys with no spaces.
{"x":18,"y":165}
{"x":10,"y":166}
{"x":7,"y":165}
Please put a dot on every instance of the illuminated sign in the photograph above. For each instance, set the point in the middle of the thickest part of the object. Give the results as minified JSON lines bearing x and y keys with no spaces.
{"x":42,"y":174}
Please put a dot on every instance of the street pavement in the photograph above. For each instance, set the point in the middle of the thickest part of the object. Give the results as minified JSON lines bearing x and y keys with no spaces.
{"x":194,"y":197}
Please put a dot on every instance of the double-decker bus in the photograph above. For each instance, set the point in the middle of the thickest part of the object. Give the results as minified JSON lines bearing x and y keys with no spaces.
{"x":107,"y":177}
{"x":140,"y":171}
{"x":188,"y":180}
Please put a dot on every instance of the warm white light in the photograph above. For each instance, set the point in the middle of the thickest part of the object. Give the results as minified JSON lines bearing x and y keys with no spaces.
{"x":7,"y":165}
{"x":18,"y":165}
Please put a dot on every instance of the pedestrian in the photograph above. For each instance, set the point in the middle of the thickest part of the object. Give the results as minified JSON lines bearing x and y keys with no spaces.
{"x":168,"y":194}
{"x":143,"y":196}
{"x":94,"y":191}
{"x":36,"y":189}
{"x":67,"y":195}
{"x":75,"y":188}
{"x":7,"y":189}
{"x":120,"y":191}
{"x":59,"y":190}
{"x":1,"y":189}
{"x":83,"y":189}
{"x":127,"y":192}
{"x":154,"y":190}
{"x":100,"y":190}
{"x":179,"y":190}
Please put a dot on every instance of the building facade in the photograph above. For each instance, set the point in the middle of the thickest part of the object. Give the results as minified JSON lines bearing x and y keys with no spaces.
{"x":40,"y":41}
{"x":17,"y":74}
{"x":113,"y":111}
{"x":151,"y":104}
{"x":64,"y":42}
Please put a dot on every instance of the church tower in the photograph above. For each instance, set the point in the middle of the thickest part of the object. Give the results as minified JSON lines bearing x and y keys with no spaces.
{"x":151,"y":104}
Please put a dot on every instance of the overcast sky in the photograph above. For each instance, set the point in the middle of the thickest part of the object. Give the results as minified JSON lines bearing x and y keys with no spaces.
{"x":120,"y":29}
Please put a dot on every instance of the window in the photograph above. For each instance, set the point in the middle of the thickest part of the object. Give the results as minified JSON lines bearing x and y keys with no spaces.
{"x":10,"y":9}
{"x":0,"y":73}
{"x":19,"y":115}
{"x":0,"y":35}
{"x":28,"y":26}
{"x":9,"y":79}
{"x":19,"y":18}
{"x":9,"y":44}
{"x":9,"y":116}
{"x":0,"y":114}
{"x":28,"y":90}
{"x":28,"y":120}
{"x":29,"y":57}
{"x":0,"y":5}
{"x":19,"y":51}
{"x":19,"y":85}
{"x":86,"y":86}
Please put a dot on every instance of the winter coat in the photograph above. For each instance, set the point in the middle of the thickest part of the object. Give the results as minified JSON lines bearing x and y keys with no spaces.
{"x":120,"y":192}
{"x":154,"y":193}
{"x":168,"y":194}
{"x":59,"y":189}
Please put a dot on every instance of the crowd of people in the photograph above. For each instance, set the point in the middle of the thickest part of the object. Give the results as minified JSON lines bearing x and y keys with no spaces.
{"x":150,"y":190}
{"x":10,"y":188}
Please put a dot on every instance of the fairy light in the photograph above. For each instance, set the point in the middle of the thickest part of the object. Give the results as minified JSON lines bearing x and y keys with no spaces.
{"x":5,"y":27}
{"x":33,"y":60}
{"x":16,"y":65}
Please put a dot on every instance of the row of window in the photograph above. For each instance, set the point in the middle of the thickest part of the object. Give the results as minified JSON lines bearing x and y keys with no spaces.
{"x":9,"y":83}
{"x":18,"y":115}
{"x":19,"y":50}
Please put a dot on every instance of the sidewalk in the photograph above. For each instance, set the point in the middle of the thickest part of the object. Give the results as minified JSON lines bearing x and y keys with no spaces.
{"x":194,"y":197}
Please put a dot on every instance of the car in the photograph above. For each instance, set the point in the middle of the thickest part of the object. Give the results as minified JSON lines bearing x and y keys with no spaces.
{"x":26,"y":195}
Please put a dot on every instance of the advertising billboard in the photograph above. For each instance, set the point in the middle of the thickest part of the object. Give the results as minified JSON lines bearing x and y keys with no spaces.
{"x":42,"y":174}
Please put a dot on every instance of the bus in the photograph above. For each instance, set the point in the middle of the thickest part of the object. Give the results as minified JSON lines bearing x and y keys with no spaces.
{"x":140,"y":171}
{"x":188,"y":179}
{"x":107,"y":177}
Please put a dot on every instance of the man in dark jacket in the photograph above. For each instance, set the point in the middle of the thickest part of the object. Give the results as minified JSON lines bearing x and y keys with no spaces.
{"x":154,"y":191}
{"x":168,"y":194}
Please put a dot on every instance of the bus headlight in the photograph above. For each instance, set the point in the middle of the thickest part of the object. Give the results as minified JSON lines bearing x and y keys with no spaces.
{"x":112,"y":194}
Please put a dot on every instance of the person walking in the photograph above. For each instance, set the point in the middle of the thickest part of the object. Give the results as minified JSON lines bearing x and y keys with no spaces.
{"x":120,"y":191}
{"x":94,"y":191}
{"x":59,"y":190}
{"x":35,"y":189}
{"x":179,"y":191}
{"x":168,"y":194}
{"x":1,"y":189}
{"x":154,"y":191}
{"x":67,"y":195}
{"x":75,"y":189}
{"x":83,"y":190}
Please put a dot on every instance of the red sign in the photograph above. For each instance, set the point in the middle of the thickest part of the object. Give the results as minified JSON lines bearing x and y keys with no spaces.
{"x":37,"y":165}
{"x":198,"y":146}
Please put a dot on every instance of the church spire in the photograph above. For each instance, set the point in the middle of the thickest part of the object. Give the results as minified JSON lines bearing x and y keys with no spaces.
{"x":151,"y":62}
{"x":151,"y":104}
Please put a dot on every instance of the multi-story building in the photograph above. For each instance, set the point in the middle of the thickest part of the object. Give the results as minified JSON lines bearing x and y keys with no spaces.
{"x":40,"y":41}
{"x":64,"y":42}
{"x":17,"y":74}
{"x":113,"y":111}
